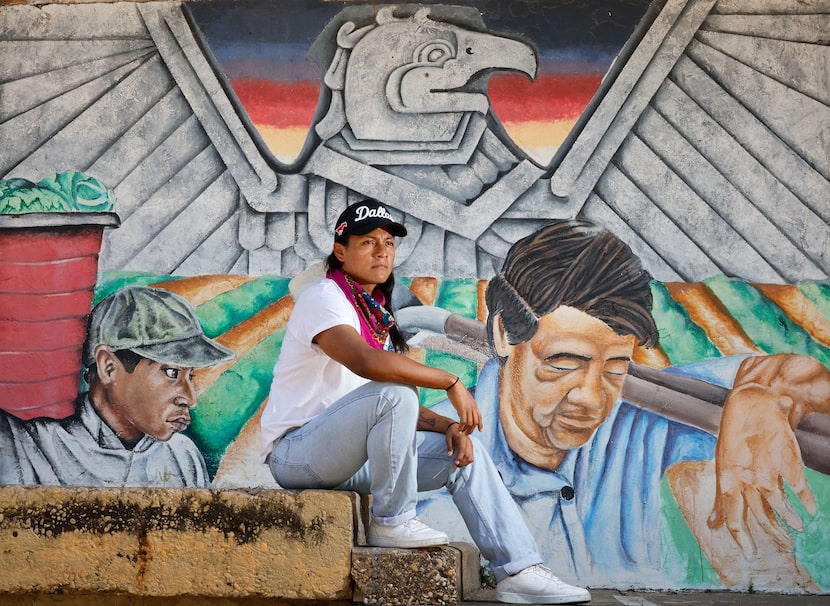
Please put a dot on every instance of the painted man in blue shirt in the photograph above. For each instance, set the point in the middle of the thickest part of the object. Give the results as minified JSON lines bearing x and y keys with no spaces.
{"x":571,"y":303}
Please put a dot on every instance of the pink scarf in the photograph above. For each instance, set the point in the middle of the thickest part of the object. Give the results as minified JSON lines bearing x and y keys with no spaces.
{"x":375,"y":320}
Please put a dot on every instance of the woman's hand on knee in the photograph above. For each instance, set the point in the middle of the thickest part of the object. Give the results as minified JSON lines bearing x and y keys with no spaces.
{"x":469,"y":416}
{"x":460,"y":445}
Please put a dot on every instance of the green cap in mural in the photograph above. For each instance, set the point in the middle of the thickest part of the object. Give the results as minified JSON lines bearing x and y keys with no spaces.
{"x":69,"y":191}
{"x":154,"y":323}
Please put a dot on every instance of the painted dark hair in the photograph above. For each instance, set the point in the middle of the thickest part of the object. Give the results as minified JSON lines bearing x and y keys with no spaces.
{"x":129,"y":359}
{"x":395,"y":335}
{"x":573,"y":263}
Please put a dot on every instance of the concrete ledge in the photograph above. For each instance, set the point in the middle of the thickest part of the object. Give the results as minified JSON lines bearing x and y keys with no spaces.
{"x":167,"y":542}
{"x":99,"y":599}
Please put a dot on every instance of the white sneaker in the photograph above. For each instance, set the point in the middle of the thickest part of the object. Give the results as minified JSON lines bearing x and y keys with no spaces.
{"x":538,"y":585}
{"x":412,"y":533}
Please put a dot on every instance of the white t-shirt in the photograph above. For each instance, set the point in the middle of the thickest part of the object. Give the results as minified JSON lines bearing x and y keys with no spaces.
{"x":307,"y":381}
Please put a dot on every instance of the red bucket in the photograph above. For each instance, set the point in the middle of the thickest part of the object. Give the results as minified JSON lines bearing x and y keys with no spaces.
{"x":48,"y":270}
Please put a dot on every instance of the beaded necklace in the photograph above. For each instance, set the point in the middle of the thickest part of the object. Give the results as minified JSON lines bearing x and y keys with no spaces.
{"x":375,"y":320}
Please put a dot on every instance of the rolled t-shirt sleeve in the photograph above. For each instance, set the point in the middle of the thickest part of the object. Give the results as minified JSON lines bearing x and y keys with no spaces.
{"x":319,"y":308}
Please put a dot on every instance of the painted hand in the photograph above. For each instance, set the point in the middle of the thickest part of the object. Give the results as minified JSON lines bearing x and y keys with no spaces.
{"x":757,"y":454}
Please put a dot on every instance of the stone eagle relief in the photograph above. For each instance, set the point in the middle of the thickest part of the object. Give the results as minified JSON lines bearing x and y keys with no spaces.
{"x":407,"y":120}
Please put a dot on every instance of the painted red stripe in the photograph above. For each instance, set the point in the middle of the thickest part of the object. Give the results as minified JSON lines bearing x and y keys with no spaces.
{"x":514,"y":98}
{"x":278,"y":104}
{"x":549,"y":98}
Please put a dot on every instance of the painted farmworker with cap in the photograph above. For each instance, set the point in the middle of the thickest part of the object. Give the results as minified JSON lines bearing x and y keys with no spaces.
{"x":344,"y":413}
{"x":141,"y":348}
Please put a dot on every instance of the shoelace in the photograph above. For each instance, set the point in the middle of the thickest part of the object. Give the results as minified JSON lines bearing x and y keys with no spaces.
{"x":414,"y":524}
{"x":546,"y":572}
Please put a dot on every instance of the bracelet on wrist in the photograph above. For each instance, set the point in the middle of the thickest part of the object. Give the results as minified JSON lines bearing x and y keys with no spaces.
{"x":453,"y":384}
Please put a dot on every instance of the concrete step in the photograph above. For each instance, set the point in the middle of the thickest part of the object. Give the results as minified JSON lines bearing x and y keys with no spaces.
{"x":436,"y":575}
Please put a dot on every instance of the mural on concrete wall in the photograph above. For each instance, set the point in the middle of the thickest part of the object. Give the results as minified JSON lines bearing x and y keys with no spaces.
{"x":137,"y":352}
{"x":704,"y":150}
{"x":415,"y":128}
{"x":625,"y":480}
{"x":265,"y":60}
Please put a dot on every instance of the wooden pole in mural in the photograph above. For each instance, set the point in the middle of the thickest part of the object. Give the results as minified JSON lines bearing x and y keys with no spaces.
{"x":699,"y":404}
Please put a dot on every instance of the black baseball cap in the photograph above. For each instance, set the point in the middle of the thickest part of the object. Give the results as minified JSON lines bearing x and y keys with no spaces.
{"x":365,"y":216}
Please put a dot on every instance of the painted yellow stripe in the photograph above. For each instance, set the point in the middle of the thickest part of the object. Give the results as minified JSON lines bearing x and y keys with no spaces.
{"x":199,"y":289}
{"x":539,"y":140}
{"x":481,"y":304}
{"x":654,"y":357}
{"x":246,"y":335}
{"x":706,"y":310}
{"x":284,"y":143}
{"x":425,"y":288}
{"x":799,"y":309}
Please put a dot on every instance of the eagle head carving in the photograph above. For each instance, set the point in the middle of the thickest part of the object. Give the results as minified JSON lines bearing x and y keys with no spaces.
{"x":412,"y":78}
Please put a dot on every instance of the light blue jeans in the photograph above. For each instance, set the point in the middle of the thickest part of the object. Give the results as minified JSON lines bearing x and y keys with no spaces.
{"x":367,"y":442}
